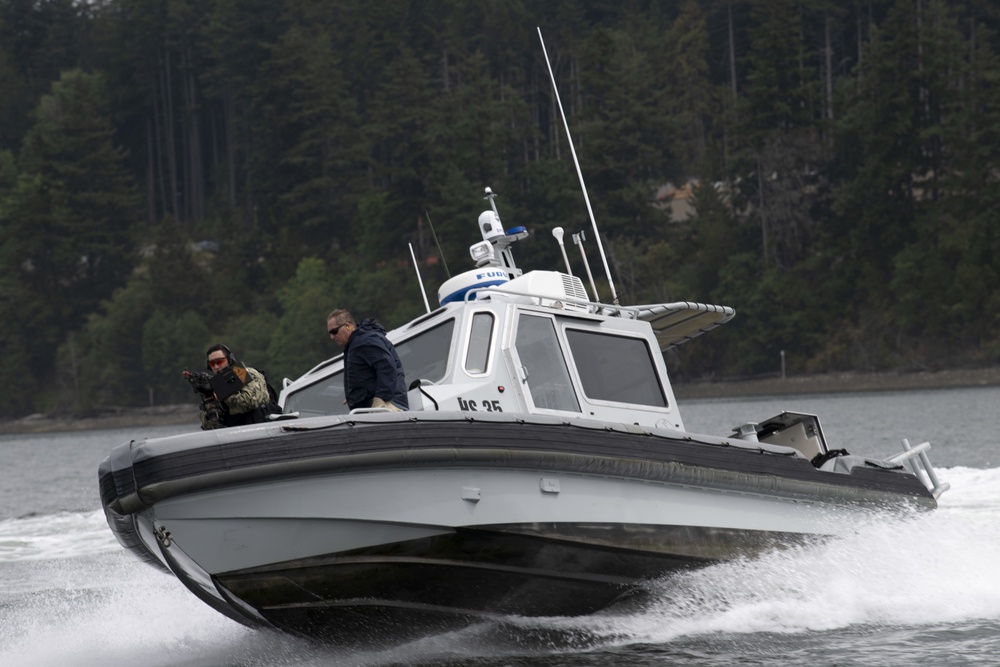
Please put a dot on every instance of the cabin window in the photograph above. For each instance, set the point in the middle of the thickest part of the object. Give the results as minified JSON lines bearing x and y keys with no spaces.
{"x":424,"y":356}
{"x":477,"y":358}
{"x":541,"y":358}
{"x":616,"y":368}
{"x":323,"y":398}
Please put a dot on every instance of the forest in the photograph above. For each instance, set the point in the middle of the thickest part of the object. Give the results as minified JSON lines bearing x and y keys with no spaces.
{"x":175,"y":173}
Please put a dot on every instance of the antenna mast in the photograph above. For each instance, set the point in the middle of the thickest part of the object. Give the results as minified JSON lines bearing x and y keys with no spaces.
{"x":579,"y":173}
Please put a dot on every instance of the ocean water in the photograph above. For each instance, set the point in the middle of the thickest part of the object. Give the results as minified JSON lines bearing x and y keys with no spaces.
{"x":905,"y":591}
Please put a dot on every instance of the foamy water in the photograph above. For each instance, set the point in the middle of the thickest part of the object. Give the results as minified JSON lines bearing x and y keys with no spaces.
{"x":63,"y":535}
{"x":929,"y":584}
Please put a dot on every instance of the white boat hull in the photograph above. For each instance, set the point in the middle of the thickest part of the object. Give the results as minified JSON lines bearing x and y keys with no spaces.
{"x":333,"y":529}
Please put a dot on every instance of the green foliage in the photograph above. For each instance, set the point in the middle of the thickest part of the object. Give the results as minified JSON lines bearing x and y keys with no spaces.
{"x":171,"y":343}
{"x":8,"y":170}
{"x":314,"y":156}
{"x":249,"y":337}
{"x":780,"y":80}
{"x":688,"y":97}
{"x":30,"y":290}
{"x":299,"y":340}
{"x":180,"y":282}
{"x":15,"y":353}
{"x":108,"y":369}
{"x":68,"y":219}
{"x":286,"y":154}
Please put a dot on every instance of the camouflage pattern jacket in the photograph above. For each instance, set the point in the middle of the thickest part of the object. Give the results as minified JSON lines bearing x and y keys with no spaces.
{"x":252,"y":397}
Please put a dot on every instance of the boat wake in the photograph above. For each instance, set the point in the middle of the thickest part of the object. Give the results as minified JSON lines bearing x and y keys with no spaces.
{"x":70,"y":595}
{"x":55,"y":537}
{"x":926,"y":570}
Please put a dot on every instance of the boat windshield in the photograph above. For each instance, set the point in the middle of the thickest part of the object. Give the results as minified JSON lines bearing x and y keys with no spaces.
{"x":424,"y":356}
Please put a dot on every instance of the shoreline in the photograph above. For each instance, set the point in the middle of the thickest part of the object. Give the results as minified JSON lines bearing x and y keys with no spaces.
{"x":161,"y":415}
{"x":822,"y":383}
{"x":839,"y":383}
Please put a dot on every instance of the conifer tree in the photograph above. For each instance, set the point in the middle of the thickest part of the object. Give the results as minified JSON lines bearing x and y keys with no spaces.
{"x":312,"y":154}
{"x":77,"y":244}
{"x":68,"y":219}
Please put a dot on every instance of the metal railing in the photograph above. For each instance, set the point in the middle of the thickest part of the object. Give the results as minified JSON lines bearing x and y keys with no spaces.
{"x":920,"y":464}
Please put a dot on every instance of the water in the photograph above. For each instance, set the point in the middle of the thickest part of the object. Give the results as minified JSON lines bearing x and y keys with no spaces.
{"x":919,"y":590}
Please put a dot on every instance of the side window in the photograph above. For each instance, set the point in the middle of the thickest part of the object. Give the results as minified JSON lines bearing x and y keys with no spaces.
{"x":615,"y":368}
{"x":323,"y":398}
{"x":425,"y":356}
{"x":541,"y":356}
{"x":477,"y":357}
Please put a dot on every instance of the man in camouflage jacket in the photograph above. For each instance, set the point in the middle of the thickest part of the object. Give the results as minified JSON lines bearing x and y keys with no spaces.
{"x":250,"y":405}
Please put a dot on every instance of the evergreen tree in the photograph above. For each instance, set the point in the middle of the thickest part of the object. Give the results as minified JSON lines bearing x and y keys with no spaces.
{"x":16,"y":367}
{"x":249,"y":335}
{"x":947,"y":276}
{"x":76,"y":246}
{"x":399,"y":130}
{"x":170,"y":344}
{"x":132,"y":49}
{"x":16,"y":100}
{"x":236,"y":35}
{"x":620,"y":148}
{"x":31,"y":295}
{"x":67,"y":220}
{"x":314,"y":153}
{"x":687,"y":94}
{"x":855,"y":147}
{"x":300,"y":341}
{"x":106,"y":356}
{"x":780,"y":152}
{"x":890,"y":167}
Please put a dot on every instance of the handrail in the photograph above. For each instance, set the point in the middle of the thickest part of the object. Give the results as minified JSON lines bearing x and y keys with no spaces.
{"x":629,"y":311}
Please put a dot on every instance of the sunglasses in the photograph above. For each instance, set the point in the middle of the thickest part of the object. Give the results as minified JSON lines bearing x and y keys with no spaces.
{"x":333,"y":331}
{"x":214,"y":363}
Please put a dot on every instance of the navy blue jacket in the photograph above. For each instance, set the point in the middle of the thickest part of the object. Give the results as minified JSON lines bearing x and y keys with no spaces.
{"x":372,"y":368}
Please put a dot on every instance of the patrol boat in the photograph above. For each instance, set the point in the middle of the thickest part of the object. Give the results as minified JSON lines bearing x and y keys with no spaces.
{"x":543,"y":469}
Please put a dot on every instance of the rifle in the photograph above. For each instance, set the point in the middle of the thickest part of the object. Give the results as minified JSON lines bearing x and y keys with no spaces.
{"x":201,"y":383}
{"x":210,"y":404}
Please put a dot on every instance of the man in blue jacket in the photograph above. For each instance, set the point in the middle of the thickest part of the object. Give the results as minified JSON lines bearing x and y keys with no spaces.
{"x":373,"y":373}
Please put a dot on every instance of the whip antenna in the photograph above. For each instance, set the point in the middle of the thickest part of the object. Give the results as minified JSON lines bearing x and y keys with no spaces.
{"x":579,"y":173}
{"x":437,"y":243}
{"x":419,"y":279}
{"x":578,"y":239}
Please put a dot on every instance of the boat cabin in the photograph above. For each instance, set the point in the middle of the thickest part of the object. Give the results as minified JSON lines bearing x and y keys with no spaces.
{"x":508,"y":352}
{"x":535,"y":343}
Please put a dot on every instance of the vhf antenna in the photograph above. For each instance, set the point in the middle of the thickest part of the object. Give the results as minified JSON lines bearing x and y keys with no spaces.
{"x":558,"y":234}
{"x":579,"y":173}
{"x":416,"y":267}
{"x":578,"y":239}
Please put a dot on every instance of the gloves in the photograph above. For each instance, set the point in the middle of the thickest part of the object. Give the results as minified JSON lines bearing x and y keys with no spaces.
{"x":211,"y":414}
